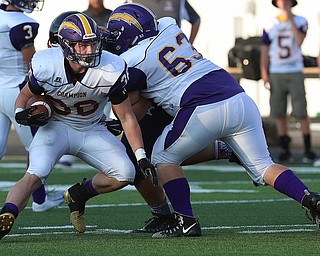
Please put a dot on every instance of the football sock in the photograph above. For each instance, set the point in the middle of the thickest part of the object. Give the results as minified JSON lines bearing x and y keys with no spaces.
{"x":285,"y":142}
{"x":289,"y":184}
{"x":221,"y":150}
{"x":10,"y":207}
{"x":91,"y":189}
{"x":161,"y":209}
{"x":307,"y":143}
{"x":178,"y":192}
{"x":82,"y":192}
{"x":85,"y":191}
{"x":39,"y":195}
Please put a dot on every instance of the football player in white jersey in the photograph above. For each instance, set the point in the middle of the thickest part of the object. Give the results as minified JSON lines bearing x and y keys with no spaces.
{"x":282,"y":72}
{"x":67,"y":161}
{"x":17,"y":34}
{"x":152,"y":125}
{"x":152,"y":120}
{"x":206,"y":102}
{"x":79,"y":79}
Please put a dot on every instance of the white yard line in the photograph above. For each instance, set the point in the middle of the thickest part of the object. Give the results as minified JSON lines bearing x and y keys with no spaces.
{"x":267,"y":229}
{"x":195,"y":188}
{"x":201,"y":167}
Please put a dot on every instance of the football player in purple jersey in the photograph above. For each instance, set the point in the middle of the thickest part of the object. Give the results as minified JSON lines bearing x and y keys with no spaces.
{"x":79,"y":79}
{"x":206,"y":102}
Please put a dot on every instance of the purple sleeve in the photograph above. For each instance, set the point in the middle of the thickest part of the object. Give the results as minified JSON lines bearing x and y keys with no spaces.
{"x":34,"y":85}
{"x":121,"y":82}
{"x":137,"y":80}
{"x":265,"y":38}
{"x":23,"y":34}
{"x":304,"y":28}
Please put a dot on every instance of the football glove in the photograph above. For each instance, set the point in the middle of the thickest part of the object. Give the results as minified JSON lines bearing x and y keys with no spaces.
{"x":25,"y":117}
{"x":148,"y":170}
{"x":114,"y":126}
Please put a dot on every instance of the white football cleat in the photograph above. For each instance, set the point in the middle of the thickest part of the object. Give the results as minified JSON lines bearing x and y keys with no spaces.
{"x":51,"y":201}
{"x":316,"y":163}
{"x":66,"y":161}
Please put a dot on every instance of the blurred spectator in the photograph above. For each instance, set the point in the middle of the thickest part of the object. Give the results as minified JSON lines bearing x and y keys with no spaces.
{"x":282,"y":72}
{"x":177,"y":9}
{"x":318,"y":58}
{"x":317,"y":163}
{"x":98,"y":12}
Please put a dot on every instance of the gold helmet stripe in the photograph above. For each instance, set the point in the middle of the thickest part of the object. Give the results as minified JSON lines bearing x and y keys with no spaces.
{"x":68,"y":24}
{"x":126,"y":18}
{"x":85,"y":23}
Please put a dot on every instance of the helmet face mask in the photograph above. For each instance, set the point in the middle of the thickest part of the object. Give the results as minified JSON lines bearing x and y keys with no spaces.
{"x":130,"y":23}
{"x":27,"y":6}
{"x":87,"y":59}
{"x":80,"y":40}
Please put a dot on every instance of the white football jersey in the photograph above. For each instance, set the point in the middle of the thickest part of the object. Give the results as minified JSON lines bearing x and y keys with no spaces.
{"x":77,"y":102}
{"x":175,"y":56}
{"x":16,"y":31}
{"x":285,"y":54}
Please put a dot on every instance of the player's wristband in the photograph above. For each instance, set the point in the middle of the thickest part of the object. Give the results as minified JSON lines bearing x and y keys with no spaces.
{"x":42,"y":103}
{"x":140,"y":153}
{"x":18,"y":110}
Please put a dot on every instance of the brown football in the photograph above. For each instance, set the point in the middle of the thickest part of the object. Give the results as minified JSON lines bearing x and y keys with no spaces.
{"x":42,"y":103}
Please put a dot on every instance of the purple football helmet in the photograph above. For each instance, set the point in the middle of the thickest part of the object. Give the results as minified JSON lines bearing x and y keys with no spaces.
{"x":79,"y":28}
{"x":27,"y":6}
{"x":131,"y":23}
{"x":54,"y":27}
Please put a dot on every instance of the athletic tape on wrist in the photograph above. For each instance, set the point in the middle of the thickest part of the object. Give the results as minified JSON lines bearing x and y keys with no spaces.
{"x":140,"y":153}
{"x":42,"y":103}
{"x":18,"y":110}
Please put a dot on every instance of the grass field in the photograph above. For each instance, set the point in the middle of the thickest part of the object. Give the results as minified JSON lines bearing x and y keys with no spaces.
{"x":236,"y":218}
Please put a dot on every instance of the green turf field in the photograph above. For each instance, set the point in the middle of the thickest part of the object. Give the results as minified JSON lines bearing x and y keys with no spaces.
{"x":236,"y":218}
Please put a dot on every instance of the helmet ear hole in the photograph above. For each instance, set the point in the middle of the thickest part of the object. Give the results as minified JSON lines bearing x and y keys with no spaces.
{"x":137,"y":15}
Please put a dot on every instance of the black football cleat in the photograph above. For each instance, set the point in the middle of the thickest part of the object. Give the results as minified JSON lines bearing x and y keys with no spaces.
{"x":156,"y":223}
{"x":76,"y":207}
{"x":285,"y":157}
{"x":311,"y":202}
{"x":182,"y":226}
{"x":309,"y":157}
